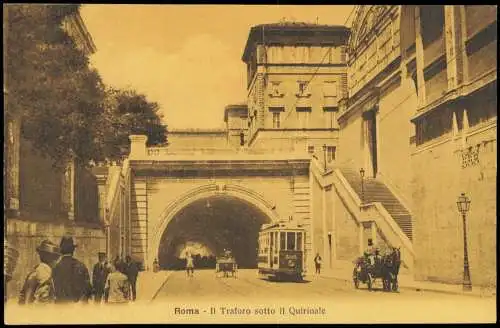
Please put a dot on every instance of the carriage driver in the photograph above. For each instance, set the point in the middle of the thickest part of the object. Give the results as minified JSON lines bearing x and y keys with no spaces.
{"x":371,"y":252}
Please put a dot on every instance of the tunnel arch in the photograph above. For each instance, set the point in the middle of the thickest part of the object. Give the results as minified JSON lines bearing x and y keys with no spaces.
{"x":237,"y":192}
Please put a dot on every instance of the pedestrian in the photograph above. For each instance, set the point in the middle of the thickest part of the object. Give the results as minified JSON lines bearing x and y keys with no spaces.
{"x":71,"y":277}
{"x":38,"y":287}
{"x":132,"y":271}
{"x":189,"y":265}
{"x":117,"y":286}
{"x":317,"y":262}
{"x":156,"y":266}
{"x":99,"y":275}
{"x":370,"y":252}
{"x":116,"y":261}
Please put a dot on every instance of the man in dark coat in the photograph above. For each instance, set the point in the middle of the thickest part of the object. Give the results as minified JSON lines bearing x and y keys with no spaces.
{"x":99,"y":275}
{"x":71,"y":277}
{"x":132,"y":270}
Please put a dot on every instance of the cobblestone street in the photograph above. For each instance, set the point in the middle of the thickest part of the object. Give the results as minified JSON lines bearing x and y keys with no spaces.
{"x":337,"y":297}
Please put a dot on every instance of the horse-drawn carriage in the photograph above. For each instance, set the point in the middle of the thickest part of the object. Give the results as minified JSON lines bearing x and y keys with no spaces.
{"x":226,"y":264}
{"x":385,"y":268}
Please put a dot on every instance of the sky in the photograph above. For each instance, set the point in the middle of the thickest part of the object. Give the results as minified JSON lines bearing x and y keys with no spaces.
{"x":186,"y":57}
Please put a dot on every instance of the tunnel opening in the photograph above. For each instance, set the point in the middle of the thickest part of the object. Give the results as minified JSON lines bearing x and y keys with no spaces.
{"x":207,"y":227}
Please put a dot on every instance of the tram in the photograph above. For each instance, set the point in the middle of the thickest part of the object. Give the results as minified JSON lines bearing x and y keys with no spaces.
{"x":281,"y":251}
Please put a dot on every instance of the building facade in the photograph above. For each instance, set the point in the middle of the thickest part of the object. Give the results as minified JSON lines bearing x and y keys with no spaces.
{"x":296,"y":74}
{"x":420,"y":119}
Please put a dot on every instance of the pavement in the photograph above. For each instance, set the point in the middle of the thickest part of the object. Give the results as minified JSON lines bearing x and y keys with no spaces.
{"x":342,"y":270}
{"x":149,"y":283}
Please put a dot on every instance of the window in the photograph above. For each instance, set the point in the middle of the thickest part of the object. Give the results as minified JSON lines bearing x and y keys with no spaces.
{"x":303,"y":89}
{"x":242,"y":138}
{"x":431,"y":22}
{"x":299,"y":241}
{"x":434,"y":125}
{"x":290,"y":241}
{"x":479,"y":17}
{"x":330,"y":89}
{"x":330,"y":153}
{"x":282,"y":240}
{"x":275,"y":89}
{"x":276,"y":120}
{"x":482,"y":108}
{"x":330,"y":116}
{"x":310,"y":149}
{"x":303,"y":114}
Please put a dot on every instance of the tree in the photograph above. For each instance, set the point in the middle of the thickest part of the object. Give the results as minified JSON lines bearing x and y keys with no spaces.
{"x":63,"y":105}
{"x":128,"y":112}
{"x":50,"y":85}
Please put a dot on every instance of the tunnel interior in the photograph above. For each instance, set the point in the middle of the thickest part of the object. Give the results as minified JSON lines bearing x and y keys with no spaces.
{"x":206,"y":227}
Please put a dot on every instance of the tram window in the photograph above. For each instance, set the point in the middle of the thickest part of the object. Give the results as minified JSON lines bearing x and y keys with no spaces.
{"x":299,"y":241}
{"x":282,"y":240}
{"x":276,"y":241}
{"x":290,"y":241}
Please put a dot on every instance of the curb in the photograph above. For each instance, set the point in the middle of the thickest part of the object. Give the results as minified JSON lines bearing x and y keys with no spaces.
{"x":426,"y":289}
{"x":161,"y":287}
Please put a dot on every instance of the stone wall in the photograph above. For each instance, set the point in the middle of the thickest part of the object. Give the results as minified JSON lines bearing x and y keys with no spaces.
{"x":351,"y":137}
{"x":25,"y":235}
{"x":396,"y":105}
{"x":317,"y":217}
{"x":440,"y":178}
{"x":346,"y":232}
{"x":197,"y":139}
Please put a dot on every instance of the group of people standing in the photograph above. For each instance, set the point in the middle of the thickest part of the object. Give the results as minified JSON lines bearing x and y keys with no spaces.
{"x":61,"y":278}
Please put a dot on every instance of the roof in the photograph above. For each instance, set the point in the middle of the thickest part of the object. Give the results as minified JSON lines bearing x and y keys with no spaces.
{"x":196,"y":131}
{"x":294,"y":33}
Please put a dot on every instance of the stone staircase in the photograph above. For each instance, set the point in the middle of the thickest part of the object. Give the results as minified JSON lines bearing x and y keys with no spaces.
{"x":376,"y":191}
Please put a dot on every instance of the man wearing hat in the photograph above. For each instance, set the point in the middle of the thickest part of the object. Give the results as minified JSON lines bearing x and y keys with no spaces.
{"x":38,"y":286}
{"x":71,"y":277}
{"x":371,"y":251}
{"x":99,"y":275}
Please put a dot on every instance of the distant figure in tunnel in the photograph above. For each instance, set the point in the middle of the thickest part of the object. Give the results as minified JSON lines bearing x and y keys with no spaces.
{"x":156,"y":266}
{"x":189,"y":265}
{"x":317,"y":262}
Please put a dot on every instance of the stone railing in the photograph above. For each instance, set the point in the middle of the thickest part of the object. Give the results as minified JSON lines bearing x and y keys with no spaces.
{"x":371,"y":213}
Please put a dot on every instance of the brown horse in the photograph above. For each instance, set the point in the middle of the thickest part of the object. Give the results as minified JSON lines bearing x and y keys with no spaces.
{"x":391,"y":264}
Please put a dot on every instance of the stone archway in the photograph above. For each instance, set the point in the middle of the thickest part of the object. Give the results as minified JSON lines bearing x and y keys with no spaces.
{"x":212,"y":191}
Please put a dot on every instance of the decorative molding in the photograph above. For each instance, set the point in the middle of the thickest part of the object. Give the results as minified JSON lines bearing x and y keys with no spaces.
{"x":470,"y":156}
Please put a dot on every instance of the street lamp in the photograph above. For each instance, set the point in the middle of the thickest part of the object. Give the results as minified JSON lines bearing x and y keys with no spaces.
{"x":463,"y":205}
{"x":324,"y":155}
{"x":362,"y":173}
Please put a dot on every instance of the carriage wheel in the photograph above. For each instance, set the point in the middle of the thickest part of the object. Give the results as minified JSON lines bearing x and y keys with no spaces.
{"x":355,"y":278}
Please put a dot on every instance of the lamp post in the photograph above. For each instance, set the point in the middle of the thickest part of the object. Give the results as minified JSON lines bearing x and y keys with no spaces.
{"x":324,"y":155}
{"x":330,"y":248}
{"x":362,"y":173}
{"x":463,"y":205}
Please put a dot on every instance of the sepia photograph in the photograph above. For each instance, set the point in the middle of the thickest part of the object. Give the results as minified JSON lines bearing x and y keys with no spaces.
{"x":217,"y":164}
